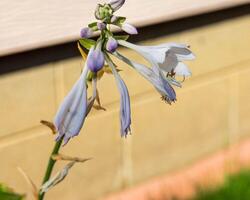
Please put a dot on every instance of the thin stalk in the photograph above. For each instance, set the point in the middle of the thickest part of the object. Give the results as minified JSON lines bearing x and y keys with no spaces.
{"x":50,"y":165}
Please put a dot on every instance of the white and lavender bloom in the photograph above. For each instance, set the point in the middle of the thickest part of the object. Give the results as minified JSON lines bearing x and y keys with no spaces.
{"x":86,"y":32}
{"x":72,"y":112}
{"x":157,"y":79}
{"x":125,"y":112}
{"x":111,"y":45}
{"x":95,"y":59}
{"x":167,"y":56}
{"x":128,"y":28}
{"x":116,"y":4}
{"x":165,"y":61}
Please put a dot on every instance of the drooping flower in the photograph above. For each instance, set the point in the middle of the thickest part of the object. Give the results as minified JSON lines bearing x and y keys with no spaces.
{"x":95,"y":59}
{"x":167,"y":56}
{"x":111,"y":45}
{"x":116,"y":4}
{"x":157,"y":79}
{"x":72,"y":112}
{"x":86,"y":32}
{"x":125,"y":112}
{"x":165,"y":61}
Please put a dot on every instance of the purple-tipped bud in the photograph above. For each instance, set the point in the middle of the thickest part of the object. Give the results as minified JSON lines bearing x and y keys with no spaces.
{"x":111,"y":45}
{"x":128,"y":28}
{"x":95,"y":59}
{"x":86,"y":32}
{"x":101,"y":26}
{"x":116,"y":4}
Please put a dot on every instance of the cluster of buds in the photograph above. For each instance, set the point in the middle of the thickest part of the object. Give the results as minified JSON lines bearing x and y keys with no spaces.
{"x":105,"y":13}
{"x":166,"y":62}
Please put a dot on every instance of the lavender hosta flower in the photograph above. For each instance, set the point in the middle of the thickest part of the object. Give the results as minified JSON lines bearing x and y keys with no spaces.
{"x":86,"y":32}
{"x":167,"y":56}
{"x":72,"y":112}
{"x":128,"y":28}
{"x":156,"y":78}
{"x":111,"y":45}
{"x":116,"y":4}
{"x":125,"y":112}
{"x":95,"y":59}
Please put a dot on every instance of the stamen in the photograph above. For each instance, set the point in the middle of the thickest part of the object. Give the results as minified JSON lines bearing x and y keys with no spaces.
{"x":166,"y":100}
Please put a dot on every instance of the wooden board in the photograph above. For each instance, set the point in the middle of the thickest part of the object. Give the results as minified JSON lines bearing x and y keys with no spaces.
{"x":30,"y":24}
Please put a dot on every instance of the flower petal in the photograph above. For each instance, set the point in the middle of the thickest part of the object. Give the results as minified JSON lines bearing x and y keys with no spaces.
{"x":182,"y":70}
{"x":125,"y":112}
{"x":183,"y":53}
{"x":170,"y":62}
{"x":155,"y":77}
{"x":72,"y":112}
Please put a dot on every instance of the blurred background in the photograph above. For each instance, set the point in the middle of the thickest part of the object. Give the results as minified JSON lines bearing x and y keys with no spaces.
{"x":203,"y":134}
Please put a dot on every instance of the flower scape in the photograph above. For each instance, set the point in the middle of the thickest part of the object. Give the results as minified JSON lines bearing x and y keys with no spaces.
{"x":165,"y":62}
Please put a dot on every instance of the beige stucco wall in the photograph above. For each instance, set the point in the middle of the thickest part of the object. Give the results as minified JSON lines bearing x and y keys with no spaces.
{"x":212,"y":111}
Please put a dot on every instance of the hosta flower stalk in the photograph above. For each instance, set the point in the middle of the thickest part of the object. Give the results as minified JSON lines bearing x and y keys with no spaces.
{"x":165,"y":62}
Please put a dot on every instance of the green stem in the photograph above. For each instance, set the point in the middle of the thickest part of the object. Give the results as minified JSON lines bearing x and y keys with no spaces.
{"x":50,"y":165}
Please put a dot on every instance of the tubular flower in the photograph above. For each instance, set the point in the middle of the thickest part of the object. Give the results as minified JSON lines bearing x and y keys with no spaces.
{"x":165,"y":62}
{"x":125,"y":113}
{"x":72,"y":112}
{"x":155,"y":78}
{"x":166,"y":56}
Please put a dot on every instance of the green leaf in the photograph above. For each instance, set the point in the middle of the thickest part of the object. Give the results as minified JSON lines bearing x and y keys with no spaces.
{"x":90,"y":76}
{"x":10,"y":196}
{"x":87,"y":43}
{"x":93,"y":26}
{"x":7,"y":194}
{"x":120,"y":20}
{"x":121,"y":37}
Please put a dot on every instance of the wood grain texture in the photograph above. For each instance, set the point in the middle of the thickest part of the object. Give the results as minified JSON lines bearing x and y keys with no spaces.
{"x":30,"y":24}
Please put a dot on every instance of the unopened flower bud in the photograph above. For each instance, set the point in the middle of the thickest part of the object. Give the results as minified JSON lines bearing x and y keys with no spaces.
{"x":113,"y":19}
{"x":129,"y":29}
{"x":116,"y":4}
{"x":111,"y":45}
{"x":101,"y":26}
{"x":95,"y":59}
{"x":103,"y":11}
{"x":86,"y":32}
